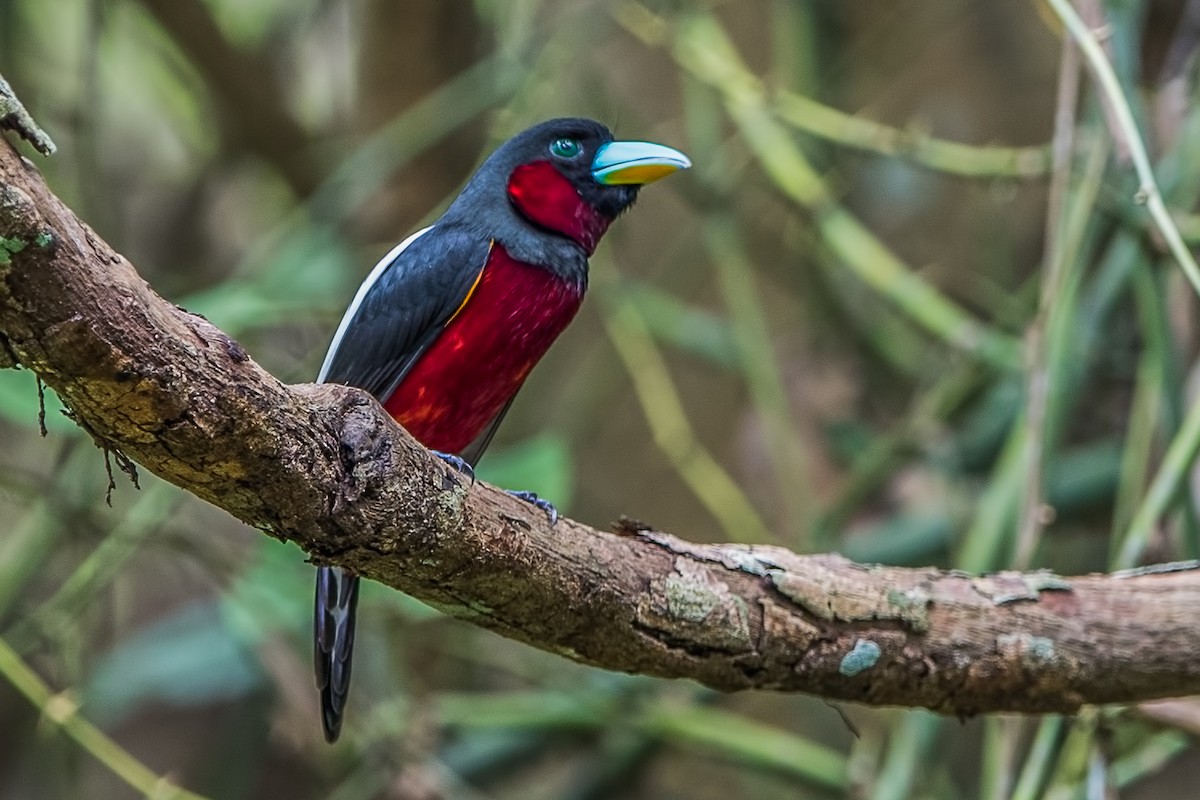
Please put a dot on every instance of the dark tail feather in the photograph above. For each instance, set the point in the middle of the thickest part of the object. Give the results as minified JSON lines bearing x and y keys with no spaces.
{"x":333,"y":643}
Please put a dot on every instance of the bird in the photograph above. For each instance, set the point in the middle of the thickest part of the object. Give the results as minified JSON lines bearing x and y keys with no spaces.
{"x":447,"y":326}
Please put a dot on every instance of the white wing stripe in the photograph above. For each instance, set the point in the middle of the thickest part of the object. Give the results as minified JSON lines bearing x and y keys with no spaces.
{"x":378,"y":270}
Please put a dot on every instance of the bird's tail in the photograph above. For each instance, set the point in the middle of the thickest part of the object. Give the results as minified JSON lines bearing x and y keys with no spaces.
{"x":333,"y":643}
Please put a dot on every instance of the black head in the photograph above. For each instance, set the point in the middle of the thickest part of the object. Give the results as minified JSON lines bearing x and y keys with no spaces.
{"x":565,"y":177}
{"x":570,"y":145}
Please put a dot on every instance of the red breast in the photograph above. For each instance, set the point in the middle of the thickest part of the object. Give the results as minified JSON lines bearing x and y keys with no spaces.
{"x":460,"y":384}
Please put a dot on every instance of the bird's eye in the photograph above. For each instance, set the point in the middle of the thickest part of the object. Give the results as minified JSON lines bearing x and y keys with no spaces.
{"x":565,"y":148}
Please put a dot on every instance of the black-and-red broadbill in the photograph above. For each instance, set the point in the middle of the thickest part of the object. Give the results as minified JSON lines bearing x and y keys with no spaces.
{"x":449,"y":323}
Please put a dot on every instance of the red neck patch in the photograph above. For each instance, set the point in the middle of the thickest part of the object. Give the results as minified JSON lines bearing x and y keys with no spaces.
{"x":547,"y":198}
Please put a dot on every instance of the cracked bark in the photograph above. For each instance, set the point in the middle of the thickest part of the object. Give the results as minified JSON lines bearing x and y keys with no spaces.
{"x":324,"y":467}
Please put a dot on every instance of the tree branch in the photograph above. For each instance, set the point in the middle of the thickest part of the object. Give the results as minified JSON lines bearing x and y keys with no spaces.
{"x":326,"y":468}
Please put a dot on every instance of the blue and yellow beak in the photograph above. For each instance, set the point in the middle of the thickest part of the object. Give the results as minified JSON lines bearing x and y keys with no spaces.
{"x":636,"y":163}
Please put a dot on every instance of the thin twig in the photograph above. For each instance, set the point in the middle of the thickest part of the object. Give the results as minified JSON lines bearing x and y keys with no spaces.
{"x":1148,"y":191}
{"x":14,"y":117}
{"x":41,"y":418}
{"x":912,"y":145}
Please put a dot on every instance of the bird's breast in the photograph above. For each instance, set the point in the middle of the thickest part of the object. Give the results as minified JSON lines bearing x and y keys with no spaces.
{"x":478,"y":362}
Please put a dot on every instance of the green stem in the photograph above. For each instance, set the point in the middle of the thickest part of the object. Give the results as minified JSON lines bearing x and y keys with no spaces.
{"x":1070,"y":767}
{"x":1154,"y":753}
{"x":102,"y":565}
{"x":750,"y":742}
{"x":1148,"y":191}
{"x":954,"y":158}
{"x":702,"y":48}
{"x":1038,"y":385}
{"x":60,"y":710}
{"x":1037,"y":762}
{"x":736,"y":278}
{"x":1145,"y":411}
{"x":908,"y":748}
{"x":1051,"y":336}
{"x":1167,"y":483}
{"x":996,"y":508}
{"x":1000,"y":735}
{"x":668,"y":420}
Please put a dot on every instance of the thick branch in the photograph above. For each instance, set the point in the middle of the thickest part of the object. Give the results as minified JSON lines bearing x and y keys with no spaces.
{"x":325,"y":467}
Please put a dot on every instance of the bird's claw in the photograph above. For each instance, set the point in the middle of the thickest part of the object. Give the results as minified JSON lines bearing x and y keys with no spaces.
{"x":537,"y":502}
{"x":459,"y":464}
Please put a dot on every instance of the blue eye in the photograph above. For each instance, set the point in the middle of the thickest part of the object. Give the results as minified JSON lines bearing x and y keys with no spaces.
{"x":565,"y":148}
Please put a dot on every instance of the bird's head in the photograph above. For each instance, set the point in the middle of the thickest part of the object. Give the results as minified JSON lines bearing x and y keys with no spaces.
{"x":568,"y":176}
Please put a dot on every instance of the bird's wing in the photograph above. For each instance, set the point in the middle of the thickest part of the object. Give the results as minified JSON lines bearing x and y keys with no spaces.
{"x":397,"y":314}
{"x":401,"y":308}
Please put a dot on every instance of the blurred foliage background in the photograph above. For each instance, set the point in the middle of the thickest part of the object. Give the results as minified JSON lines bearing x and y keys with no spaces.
{"x":896,"y":310}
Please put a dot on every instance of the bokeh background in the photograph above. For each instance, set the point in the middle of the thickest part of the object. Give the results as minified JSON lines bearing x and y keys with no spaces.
{"x":822,"y":336}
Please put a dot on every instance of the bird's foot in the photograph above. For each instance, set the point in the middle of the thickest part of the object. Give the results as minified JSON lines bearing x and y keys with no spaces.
{"x":537,"y":502}
{"x":459,"y":464}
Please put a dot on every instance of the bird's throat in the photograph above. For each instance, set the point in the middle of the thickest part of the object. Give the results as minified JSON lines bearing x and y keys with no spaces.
{"x":545,"y":197}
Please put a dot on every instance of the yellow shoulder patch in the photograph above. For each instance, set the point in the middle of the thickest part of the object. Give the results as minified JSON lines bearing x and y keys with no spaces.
{"x":471,"y":291}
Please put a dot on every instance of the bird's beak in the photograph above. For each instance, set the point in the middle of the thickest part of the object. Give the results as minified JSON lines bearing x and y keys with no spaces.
{"x":636,"y":162}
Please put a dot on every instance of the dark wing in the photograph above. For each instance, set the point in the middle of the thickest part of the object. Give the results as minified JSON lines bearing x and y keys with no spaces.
{"x":398,"y":312}
{"x":402,"y":307}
